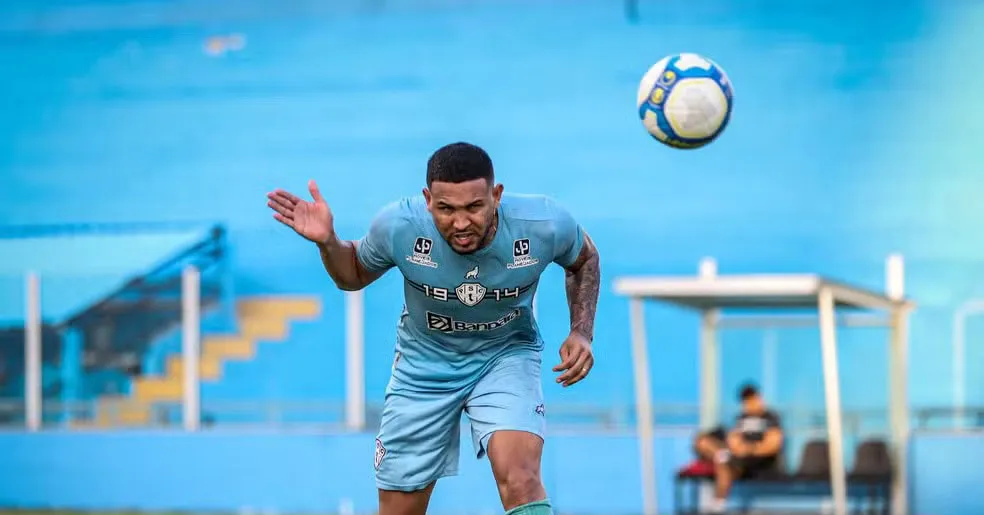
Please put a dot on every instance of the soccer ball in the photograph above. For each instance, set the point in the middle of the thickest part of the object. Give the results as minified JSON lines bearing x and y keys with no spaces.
{"x":685,"y":100}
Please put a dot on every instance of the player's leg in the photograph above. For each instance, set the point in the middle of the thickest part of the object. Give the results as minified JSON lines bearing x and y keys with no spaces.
{"x":712,"y":447}
{"x":507,"y":417}
{"x":418,"y":443}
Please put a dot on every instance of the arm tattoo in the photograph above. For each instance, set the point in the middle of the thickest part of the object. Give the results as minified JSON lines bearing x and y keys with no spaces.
{"x":583,"y":280}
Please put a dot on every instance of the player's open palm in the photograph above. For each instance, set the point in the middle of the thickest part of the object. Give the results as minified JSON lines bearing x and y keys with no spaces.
{"x":312,"y":220}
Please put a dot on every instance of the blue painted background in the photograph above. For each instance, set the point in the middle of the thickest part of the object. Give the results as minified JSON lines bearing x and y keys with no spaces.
{"x":854,"y":135}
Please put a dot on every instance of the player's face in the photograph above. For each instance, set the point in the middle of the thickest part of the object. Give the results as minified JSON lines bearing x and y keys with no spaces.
{"x":464,"y":212}
{"x":753,"y":405}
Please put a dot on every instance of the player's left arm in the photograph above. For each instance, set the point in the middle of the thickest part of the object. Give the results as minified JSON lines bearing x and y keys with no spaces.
{"x":582,"y":281}
{"x":576,"y":252}
{"x":771,"y":442}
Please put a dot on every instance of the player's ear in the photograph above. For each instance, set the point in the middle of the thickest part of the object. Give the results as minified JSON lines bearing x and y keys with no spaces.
{"x":497,"y":193}
{"x":428,"y":198}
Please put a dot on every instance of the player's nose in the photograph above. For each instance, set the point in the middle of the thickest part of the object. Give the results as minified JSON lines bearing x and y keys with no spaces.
{"x":460,"y":223}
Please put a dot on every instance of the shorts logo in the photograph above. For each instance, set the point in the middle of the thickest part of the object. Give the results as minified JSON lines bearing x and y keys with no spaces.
{"x":470,"y":294}
{"x":446,"y":324}
{"x":540,"y":409}
{"x":521,"y":254}
{"x":421,"y":253}
{"x":380,"y":453}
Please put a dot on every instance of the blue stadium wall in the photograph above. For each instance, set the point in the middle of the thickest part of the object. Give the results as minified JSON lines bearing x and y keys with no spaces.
{"x":311,"y":473}
{"x":853,"y":137}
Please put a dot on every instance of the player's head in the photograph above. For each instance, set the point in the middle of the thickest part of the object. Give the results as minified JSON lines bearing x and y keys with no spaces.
{"x":751,"y":399}
{"x":462,"y":195}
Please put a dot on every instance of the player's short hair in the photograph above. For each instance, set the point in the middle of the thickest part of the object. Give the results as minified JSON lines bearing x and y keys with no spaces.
{"x":459,"y":162}
{"x":748,"y":391}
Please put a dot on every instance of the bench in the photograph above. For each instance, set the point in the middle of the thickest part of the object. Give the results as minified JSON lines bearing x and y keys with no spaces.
{"x":869,"y":482}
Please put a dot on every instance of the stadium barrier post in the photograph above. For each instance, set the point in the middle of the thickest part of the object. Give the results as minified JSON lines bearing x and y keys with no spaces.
{"x":190,"y":346}
{"x":355,"y":367}
{"x":32,"y":352}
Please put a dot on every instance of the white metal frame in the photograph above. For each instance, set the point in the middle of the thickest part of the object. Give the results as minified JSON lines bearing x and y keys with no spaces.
{"x":711,"y":295}
{"x":966,"y":310}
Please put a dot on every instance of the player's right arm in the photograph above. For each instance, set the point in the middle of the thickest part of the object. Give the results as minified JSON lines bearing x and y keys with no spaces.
{"x":351,"y":265}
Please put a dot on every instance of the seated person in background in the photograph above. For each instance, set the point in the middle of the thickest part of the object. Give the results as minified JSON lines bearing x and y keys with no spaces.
{"x":748,"y":451}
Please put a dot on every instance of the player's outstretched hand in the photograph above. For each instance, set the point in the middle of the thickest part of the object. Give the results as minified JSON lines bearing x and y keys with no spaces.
{"x":576,"y":359}
{"x":312,"y":220}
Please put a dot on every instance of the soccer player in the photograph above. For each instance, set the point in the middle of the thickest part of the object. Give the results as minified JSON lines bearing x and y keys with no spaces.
{"x":471,"y":258}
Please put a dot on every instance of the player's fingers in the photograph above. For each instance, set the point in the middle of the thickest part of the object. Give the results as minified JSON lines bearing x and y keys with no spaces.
{"x":281,"y":209}
{"x":315,"y":192}
{"x":566,"y":359}
{"x":569,"y":366}
{"x":284,"y":220}
{"x":575,"y":369}
{"x":284,"y":197}
{"x":582,"y":370}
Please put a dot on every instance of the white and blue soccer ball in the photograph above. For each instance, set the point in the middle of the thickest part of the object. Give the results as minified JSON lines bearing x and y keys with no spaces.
{"x":685,"y":100}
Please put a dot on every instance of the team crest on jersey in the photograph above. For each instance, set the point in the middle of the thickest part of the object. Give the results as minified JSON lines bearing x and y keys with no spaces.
{"x":422,"y":253}
{"x":521,"y":255}
{"x":470,"y":294}
{"x":380,"y":453}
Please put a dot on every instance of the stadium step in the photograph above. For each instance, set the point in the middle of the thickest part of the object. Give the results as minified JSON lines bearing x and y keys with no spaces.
{"x":279,"y":307}
{"x":151,"y":389}
{"x":260,"y":319}
{"x":227,"y":347}
{"x":209,"y":367}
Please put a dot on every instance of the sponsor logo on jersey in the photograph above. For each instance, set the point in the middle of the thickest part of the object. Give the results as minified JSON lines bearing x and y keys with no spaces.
{"x":446,"y":324}
{"x":521,"y":254}
{"x":421,"y":253}
{"x":472,"y":274}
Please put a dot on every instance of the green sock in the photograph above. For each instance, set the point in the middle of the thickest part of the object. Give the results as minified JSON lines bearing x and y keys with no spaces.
{"x":533,"y":508}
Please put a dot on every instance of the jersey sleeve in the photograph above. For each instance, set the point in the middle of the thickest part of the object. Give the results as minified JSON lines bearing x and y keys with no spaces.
{"x":375,"y":249}
{"x":773,"y":420}
{"x":568,"y":236}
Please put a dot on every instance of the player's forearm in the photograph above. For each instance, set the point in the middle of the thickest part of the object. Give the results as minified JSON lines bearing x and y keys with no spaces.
{"x":583,"y":282}
{"x":341,"y":263}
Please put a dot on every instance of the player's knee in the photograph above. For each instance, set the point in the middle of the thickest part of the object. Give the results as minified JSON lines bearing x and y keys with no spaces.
{"x":521,"y":485}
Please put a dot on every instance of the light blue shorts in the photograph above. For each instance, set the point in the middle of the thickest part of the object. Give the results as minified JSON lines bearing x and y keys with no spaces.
{"x":419,"y":434}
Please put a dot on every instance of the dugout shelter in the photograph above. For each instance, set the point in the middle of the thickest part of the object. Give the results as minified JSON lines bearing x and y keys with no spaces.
{"x":776,"y":300}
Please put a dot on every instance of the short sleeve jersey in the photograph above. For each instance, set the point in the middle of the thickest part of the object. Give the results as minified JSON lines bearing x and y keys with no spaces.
{"x":460,"y":310}
{"x":753,"y":427}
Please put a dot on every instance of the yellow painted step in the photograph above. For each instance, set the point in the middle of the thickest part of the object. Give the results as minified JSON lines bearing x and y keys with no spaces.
{"x":118,"y":411}
{"x":264,"y":328}
{"x":209,"y":367}
{"x":150,"y":389}
{"x":222,"y":347}
{"x":280,"y":307}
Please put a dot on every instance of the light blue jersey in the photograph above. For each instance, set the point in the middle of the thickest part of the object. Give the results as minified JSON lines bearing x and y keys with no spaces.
{"x":466,"y":340}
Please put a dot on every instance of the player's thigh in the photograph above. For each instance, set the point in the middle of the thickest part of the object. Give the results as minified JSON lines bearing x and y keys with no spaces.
{"x":418,"y":440}
{"x":508,"y":396}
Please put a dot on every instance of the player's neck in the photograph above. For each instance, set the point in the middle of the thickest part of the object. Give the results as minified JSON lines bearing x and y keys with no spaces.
{"x":490,"y":234}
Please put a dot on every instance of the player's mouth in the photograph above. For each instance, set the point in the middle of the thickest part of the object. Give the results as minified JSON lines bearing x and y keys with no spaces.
{"x":463,"y":239}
